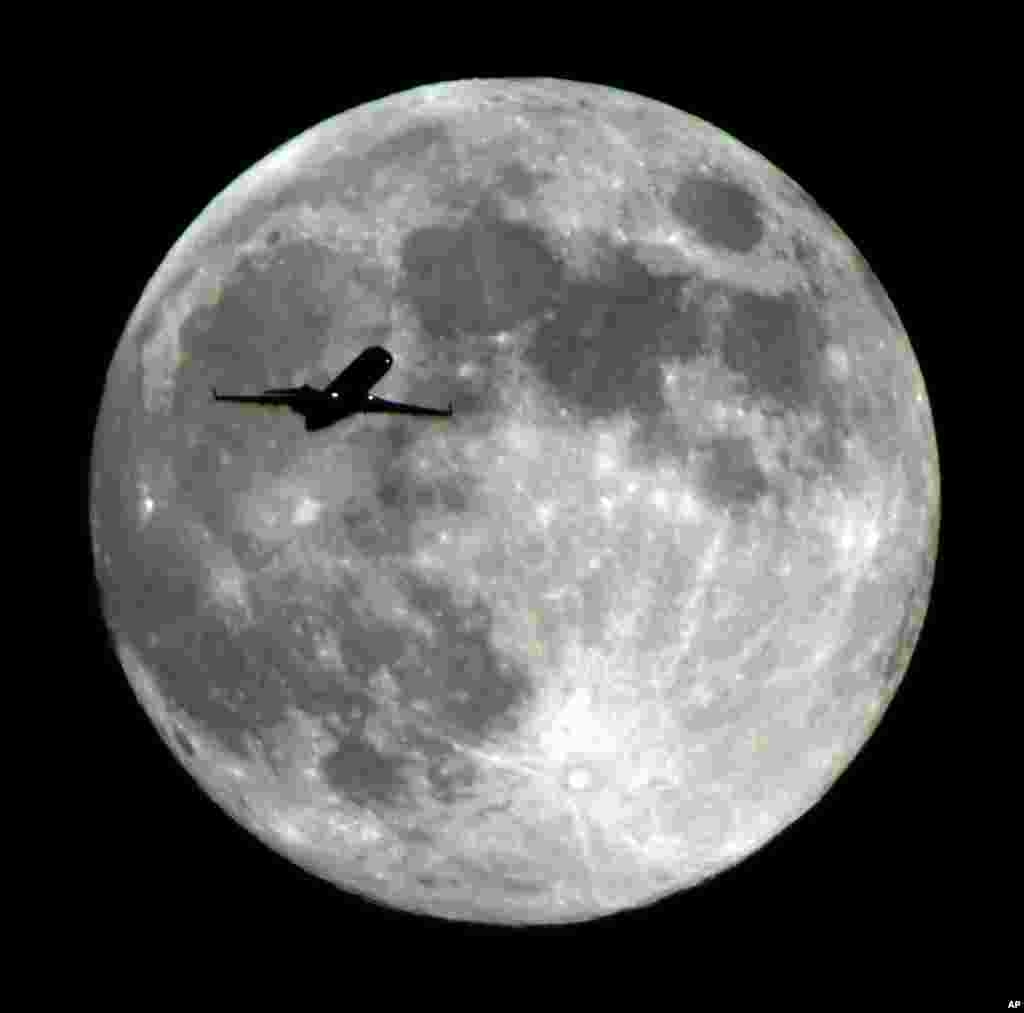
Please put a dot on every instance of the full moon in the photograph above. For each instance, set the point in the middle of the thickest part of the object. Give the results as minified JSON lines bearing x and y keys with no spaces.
{"x":614,"y":625}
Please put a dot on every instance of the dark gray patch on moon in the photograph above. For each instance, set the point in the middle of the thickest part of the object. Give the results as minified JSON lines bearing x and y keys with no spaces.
{"x":231,"y":687}
{"x":272,"y":318}
{"x":472,"y":686}
{"x":776,"y":342}
{"x":378,"y":530}
{"x":515,"y":180}
{"x":365,"y":774}
{"x":825,"y":447}
{"x":732,"y":475}
{"x":484,"y":276}
{"x":448,"y":784}
{"x":600,"y":350}
{"x":399,"y":489}
{"x":408,"y":148}
{"x":158,"y":582}
{"x":723,"y":213}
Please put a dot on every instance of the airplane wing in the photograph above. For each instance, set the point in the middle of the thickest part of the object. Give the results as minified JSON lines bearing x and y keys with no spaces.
{"x":264,"y":399}
{"x":379,"y":404}
{"x":360,"y":375}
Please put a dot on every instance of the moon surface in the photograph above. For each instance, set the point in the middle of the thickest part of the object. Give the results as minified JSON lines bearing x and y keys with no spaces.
{"x":617,"y":623}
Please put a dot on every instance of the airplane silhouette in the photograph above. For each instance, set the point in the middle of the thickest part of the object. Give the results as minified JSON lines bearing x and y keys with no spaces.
{"x":347,"y":394}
